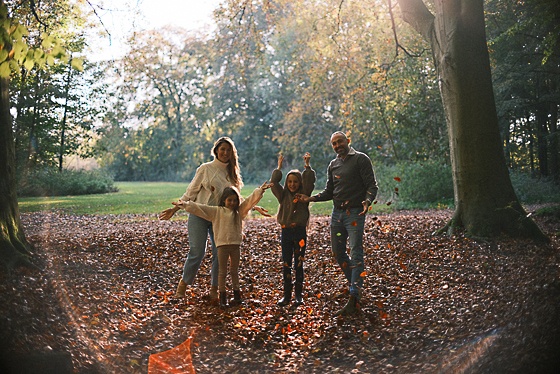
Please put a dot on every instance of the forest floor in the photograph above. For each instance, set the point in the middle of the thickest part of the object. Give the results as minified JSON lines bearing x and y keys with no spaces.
{"x":431,"y":304}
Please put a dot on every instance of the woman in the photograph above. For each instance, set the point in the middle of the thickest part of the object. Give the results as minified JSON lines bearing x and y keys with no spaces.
{"x":206,"y":188}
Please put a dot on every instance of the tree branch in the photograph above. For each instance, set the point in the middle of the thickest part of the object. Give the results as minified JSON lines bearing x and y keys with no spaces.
{"x":339,"y":11}
{"x":394,"y":27}
{"x":417,"y":15}
{"x":34,"y":11}
{"x":99,"y":19}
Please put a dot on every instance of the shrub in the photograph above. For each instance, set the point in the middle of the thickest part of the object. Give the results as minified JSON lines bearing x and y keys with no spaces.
{"x":418,"y":182}
{"x":51,"y":182}
{"x":430,"y":182}
{"x":532,"y":190}
{"x":552,"y":211}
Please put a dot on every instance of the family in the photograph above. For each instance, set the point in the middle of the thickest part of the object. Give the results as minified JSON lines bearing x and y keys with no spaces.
{"x":216,"y":210}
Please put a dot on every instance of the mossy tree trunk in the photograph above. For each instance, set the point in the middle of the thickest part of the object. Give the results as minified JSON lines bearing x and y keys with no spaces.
{"x":13,"y":244}
{"x":485,"y":201}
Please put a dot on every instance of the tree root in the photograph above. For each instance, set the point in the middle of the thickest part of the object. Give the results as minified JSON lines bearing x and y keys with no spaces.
{"x":11,"y":258}
{"x":518,"y":223}
{"x":511,"y":220}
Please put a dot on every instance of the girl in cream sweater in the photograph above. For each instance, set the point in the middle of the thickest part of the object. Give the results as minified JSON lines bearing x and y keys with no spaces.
{"x":226,"y":220}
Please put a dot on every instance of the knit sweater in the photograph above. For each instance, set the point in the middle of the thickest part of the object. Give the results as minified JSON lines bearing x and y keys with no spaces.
{"x":208,"y":183}
{"x":226,"y":223}
{"x":291,"y":211}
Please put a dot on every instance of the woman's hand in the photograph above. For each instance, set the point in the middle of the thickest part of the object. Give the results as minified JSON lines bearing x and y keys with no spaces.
{"x":167,"y":213}
{"x":181,"y":204}
{"x":266,"y":185}
{"x":262,"y":211}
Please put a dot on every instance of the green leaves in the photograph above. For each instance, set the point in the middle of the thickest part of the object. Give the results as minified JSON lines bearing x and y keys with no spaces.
{"x":16,"y":52}
{"x":4,"y":69}
{"x":77,"y":64}
{"x":18,"y":31}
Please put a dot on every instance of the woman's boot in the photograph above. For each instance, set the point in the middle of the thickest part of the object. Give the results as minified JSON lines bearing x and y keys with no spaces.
{"x":299,"y":293}
{"x":287,"y":294}
{"x":223,"y":299}
{"x":181,"y":289}
{"x":213,"y":295}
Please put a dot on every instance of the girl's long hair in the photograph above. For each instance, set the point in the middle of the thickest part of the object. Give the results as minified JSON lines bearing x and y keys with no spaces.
{"x":228,"y":191}
{"x":234,"y":173}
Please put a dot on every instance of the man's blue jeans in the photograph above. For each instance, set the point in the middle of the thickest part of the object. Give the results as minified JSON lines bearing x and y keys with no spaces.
{"x":199,"y":229}
{"x":348,"y":225}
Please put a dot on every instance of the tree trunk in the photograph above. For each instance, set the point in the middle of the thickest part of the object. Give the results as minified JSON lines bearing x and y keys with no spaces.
{"x":531,"y":141}
{"x":507,"y":143}
{"x":542,"y":139}
{"x":13,"y":244}
{"x":64,"y":117}
{"x":485,"y":202}
{"x":554,"y":149}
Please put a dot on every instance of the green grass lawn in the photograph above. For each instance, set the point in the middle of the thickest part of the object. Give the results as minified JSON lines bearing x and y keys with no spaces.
{"x":138,"y":198}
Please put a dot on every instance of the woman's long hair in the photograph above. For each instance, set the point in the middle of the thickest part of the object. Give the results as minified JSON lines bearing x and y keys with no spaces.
{"x":234,"y":173}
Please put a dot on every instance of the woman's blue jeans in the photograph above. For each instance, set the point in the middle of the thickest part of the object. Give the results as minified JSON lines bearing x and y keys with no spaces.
{"x":348,"y":225}
{"x":199,"y":229}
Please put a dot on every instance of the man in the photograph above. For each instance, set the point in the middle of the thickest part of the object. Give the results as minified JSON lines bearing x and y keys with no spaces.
{"x":352,"y":186}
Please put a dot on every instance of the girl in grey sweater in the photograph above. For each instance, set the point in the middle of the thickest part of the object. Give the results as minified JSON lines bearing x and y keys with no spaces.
{"x":293,"y":216}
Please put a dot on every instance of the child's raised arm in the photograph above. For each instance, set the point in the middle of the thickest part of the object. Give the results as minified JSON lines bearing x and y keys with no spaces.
{"x":308,"y":176}
{"x":253,"y":199}
{"x":276,"y":178}
{"x":306,"y":158}
{"x":280,"y":160}
{"x":204,"y":211}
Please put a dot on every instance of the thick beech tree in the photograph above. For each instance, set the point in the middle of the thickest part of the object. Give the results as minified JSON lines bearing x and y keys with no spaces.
{"x":486,"y":203}
{"x":13,"y":245}
{"x":14,"y":55}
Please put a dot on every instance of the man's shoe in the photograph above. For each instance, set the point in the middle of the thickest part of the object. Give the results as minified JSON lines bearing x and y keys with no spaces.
{"x":212,"y":297}
{"x":350,"y":307}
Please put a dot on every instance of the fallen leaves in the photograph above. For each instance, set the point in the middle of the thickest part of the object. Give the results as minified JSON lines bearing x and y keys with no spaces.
{"x":107,"y":295}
